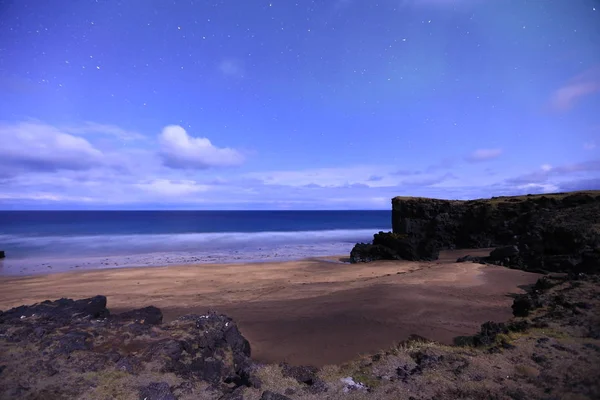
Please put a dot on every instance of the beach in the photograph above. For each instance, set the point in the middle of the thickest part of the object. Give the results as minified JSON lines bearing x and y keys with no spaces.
{"x":315,"y":311}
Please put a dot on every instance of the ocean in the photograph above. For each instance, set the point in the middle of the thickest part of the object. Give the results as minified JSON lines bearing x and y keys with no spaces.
{"x":55,"y":241}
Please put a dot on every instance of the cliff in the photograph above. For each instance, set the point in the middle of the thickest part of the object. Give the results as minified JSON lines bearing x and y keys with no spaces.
{"x":553,"y":232}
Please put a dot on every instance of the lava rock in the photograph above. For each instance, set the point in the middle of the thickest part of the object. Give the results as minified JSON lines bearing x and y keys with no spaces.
{"x":148,"y":316}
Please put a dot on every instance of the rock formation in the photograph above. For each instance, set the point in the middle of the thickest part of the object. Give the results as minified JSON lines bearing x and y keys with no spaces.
{"x":82,"y":343}
{"x":68,"y":349}
{"x":558,"y":232}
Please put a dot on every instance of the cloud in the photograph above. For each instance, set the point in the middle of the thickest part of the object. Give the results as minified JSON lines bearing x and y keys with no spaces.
{"x":104,"y":129}
{"x":429,"y":181}
{"x":581,"y":184}
{"x":172,"y":188}
{"x":589,"y":145}
{"x":546,"y":172}
{"x":40,"y":147}
{"x":231,"y":67}
{"x":406,"y":172}
{"x":481,"y":155}
{"x":329,"y":176}
{"x":445,"y":164}
{"x":578,"y":87}
{"x":181,"y":151}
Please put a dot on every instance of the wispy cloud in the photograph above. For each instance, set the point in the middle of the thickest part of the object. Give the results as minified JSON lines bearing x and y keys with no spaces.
{"x":589,"y":145}
{"x":103,"y":129}
{"x":580,"y":86}
{"x":481,"y":155}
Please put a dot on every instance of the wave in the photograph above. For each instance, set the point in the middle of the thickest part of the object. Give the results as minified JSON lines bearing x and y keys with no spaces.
{"x":99,"y":245}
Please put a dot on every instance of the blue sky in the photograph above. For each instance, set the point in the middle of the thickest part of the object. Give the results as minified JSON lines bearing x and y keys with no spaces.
{"x":277,"y":104}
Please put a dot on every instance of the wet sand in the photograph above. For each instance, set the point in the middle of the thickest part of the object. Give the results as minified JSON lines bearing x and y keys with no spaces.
{"x":316,"y":311}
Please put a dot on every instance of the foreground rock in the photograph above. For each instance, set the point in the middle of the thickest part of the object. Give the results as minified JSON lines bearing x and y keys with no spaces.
{"x":69,"y":349}
{"x":545,"y":233}
{"x":65,"y":348}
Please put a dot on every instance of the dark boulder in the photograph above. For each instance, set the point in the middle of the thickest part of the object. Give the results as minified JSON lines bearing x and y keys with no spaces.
{"x":59,"y":311}
{"x":522,"y":305}
{"x":2,"y":254}
{"x":407,"y":247}
{"x":147,"y":316}
{"x":302,"y":374}
{"x":469,"y":258}
{"x":391,"y":246}
{"x":363,"y":252}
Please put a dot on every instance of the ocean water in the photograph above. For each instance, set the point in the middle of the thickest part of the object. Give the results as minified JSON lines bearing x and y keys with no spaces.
{"x":54,"y":241}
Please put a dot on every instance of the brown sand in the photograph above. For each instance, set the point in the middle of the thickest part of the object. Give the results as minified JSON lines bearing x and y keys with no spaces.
{"x":304,"y":312}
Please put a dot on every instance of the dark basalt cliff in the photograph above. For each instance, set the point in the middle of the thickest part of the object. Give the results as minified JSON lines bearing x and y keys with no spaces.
{"x":553,"y":232}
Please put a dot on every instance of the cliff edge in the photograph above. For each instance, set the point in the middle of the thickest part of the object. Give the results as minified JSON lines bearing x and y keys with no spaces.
{"x":547,"y":233}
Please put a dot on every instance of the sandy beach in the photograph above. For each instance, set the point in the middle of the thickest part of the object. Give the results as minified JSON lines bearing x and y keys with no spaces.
{"x":316,"y":311}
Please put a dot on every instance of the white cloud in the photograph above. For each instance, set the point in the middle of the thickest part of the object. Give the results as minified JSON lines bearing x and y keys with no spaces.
{"x":546,"y":167}
{"x":43,"y":197}
{"x":540,"y":187}
{"x":41,"y":147}
{"x":172,"y":188}
{"x":179,"y":150}
{"x":484,"y":155}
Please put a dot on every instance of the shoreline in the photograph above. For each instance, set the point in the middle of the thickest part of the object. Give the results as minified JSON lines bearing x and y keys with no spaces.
{"x":44,"y":266}
{"x":313,"y":311}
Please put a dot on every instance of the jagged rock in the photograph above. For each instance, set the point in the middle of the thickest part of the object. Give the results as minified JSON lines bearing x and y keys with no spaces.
{"x":82,"y":336}
{"x":468,"y":258}
{"x":390,"y":246}
{"x":2,"y":254}
{"x":303,"y":374}
{"x":148,"y":315}
{"x":60,"y":311}
{"x":363,"y":252}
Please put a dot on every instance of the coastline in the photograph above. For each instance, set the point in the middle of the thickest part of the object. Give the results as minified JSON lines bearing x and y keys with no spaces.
{"x":313,"y":311}
{"x":50,"y":265}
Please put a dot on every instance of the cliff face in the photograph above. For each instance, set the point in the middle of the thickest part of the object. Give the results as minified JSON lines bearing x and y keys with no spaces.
{"x":555,"y":232}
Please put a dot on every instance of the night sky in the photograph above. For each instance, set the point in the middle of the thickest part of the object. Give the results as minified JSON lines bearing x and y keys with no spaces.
{"x":284,"y":104}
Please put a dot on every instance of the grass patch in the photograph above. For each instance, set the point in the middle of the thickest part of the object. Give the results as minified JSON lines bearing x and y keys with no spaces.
{"x":112,"y":385}
{"x":527,"y":371}
{"x":272,"y":379}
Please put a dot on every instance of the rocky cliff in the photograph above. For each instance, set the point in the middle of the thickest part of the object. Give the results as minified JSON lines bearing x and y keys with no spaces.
{"x":554,"y":232}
